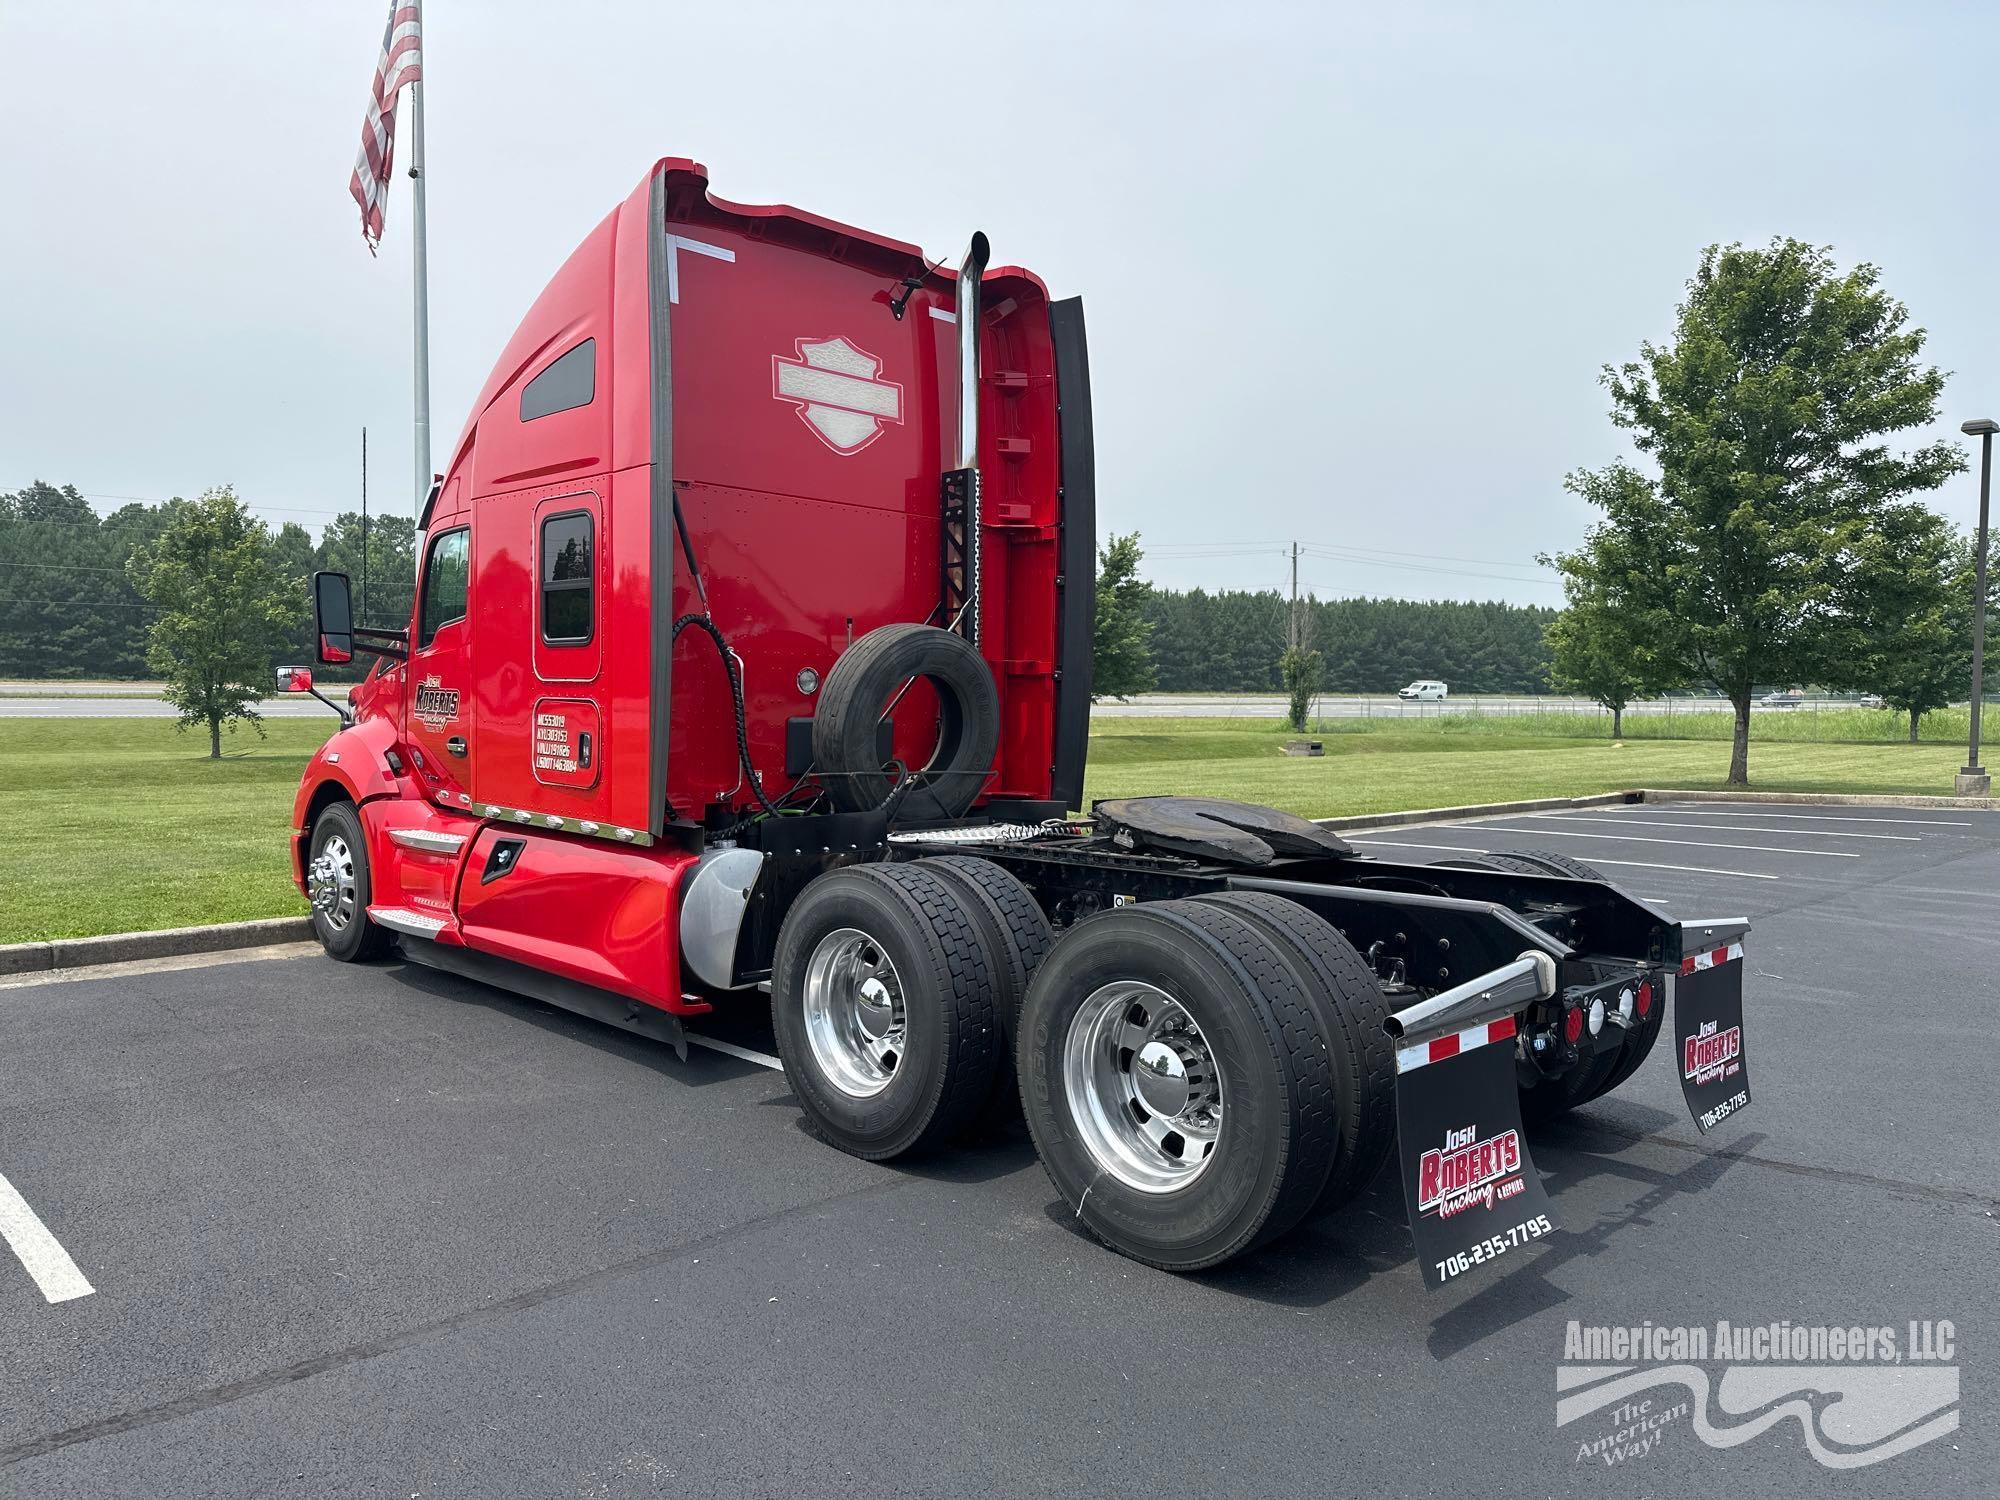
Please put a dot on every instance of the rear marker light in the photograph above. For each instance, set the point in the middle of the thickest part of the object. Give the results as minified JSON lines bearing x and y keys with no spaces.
{"x":1596,"y":1016}
{"x":1645,"y":998}
{"x":1572,"y":1025}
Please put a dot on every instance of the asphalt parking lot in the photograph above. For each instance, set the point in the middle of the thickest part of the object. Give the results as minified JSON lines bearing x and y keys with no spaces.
{"x":376,"y":1231}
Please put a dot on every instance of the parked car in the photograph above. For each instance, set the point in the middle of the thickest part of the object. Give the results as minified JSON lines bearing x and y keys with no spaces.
{"x":1872,"y":700}
{"x":1784,"y":698}
{"x":1423,"y":690}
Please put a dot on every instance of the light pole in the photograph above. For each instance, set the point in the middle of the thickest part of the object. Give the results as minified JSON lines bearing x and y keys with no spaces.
{"x":1973,"y":780}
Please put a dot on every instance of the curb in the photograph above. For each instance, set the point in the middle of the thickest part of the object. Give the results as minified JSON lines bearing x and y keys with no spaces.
{"x":1826,"y":799}
{"x":1478,"y":810}
{"x":123,"y":947}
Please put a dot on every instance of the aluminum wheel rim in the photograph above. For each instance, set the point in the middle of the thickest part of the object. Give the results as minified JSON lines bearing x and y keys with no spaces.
{"x":330,"y":883}
{"x":856,"y":1021}
{"x":1142,"y":1087}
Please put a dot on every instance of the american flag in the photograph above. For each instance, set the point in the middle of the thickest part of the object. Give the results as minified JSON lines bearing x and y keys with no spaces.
{"x":402,"y":62}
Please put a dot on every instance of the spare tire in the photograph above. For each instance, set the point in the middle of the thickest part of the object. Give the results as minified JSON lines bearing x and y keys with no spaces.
{"x":857,"y":691}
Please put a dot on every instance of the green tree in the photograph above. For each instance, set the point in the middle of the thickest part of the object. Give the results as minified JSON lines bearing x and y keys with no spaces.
{"x":222,"y":607}
{"x":1915,"y":584}
{"x":1766,"y":416}
{"x":1600,"y":651}
{"x":1121,"y":663}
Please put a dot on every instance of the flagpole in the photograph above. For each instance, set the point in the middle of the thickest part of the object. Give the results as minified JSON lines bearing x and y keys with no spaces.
{"x":422,"y":302}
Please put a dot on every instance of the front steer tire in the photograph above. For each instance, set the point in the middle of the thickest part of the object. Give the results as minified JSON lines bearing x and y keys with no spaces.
{"x":341,"y":923}
{"x":1231,"y":1007}
{"x":884,"y":1004}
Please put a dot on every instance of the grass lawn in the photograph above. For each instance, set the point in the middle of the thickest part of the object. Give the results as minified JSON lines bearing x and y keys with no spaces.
{"x":112,"y":825}
{"x":1386,"y":765}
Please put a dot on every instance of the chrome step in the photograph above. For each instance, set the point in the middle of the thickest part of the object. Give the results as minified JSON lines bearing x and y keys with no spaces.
{"x":409,"y":923}
{"x":429,"y":840}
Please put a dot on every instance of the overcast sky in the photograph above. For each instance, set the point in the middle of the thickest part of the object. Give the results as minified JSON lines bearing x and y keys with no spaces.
{"x":1350,"y":271}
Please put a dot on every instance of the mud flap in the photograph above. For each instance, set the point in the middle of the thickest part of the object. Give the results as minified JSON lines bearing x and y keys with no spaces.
{"x":1708,"y":1025}
{"x":1474,"y":1195}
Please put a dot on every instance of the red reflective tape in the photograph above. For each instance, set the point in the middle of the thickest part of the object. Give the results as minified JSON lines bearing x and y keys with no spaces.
{"x":1443,"y":1047}
{"x":1720,"y":955}
{"x":1500,"y":1030}
{"x":1687,"y":964}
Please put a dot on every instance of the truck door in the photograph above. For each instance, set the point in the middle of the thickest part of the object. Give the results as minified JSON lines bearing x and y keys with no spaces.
{"x":439,"y":728}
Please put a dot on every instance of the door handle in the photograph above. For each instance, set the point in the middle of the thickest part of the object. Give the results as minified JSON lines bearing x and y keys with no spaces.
{"x":456,"y":745}
{"x":583,"y":749}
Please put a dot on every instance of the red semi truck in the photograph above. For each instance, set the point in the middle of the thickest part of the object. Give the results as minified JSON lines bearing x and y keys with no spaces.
{"x":751,"y":654}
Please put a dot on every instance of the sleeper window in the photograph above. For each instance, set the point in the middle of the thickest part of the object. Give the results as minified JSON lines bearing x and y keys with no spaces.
{"x":568,"y":383}
{"x":567,"y":576}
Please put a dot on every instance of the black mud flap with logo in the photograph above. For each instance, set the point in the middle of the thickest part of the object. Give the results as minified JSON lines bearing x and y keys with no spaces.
{"x":1473,"y":1193}
{"x":1708,"y":1025}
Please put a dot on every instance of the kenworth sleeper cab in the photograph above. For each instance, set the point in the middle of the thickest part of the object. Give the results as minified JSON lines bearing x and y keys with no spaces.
{"x":751,"y":654}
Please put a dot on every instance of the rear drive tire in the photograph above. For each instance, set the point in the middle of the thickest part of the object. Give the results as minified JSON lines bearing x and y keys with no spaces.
{"x":1557,"y":864}
{"x":1352,"y":1008}
{"x":339,"y":886}
{"x":1175,"y":1079}
{"x":1018,"y":935}
{"x":1554,"y":1096}
{"x":883,"y":1002}
{"x":866,"y":677}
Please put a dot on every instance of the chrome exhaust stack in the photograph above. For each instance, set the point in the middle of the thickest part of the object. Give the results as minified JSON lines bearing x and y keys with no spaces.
{"x":961,"y":483}
{"x":970,"y":270}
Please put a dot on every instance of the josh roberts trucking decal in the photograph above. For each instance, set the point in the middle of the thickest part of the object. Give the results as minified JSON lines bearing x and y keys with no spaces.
{"x":1708,"y":1026}
{"x":1473,"y":1193}
{"x":436,"y":705}
{"x":838,"y":390}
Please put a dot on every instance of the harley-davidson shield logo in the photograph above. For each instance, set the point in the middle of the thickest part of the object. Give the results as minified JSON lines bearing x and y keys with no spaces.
{"x":838,"y":391}
{"x":436,"y":706}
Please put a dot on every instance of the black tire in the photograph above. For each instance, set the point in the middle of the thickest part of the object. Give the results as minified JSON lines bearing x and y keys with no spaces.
{"x":1589,"y":1081}
{"x":1275,"y":1142}
{"x":1352,"y":1009}
{"x":871,"y":672}
{"x":1505,"y":864}
{"x":1018,"y":935}
{"x":1556,"y":864}
{"x":346,"y":934}
{"x":938,"y":956}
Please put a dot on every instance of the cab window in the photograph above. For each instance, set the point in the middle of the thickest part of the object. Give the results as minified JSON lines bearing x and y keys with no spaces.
{"x":568,"y":606}
{"x":444,"y":583}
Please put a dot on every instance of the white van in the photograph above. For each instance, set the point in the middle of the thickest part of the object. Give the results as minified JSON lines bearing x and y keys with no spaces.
{"x":1424,"y":690}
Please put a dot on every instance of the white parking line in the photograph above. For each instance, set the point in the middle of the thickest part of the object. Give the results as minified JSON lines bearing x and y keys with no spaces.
{"x":1818,"y":833}
{"x":1690,"y":812}
{"x":1632,"y":864}
{"x":46,"y":1260}
{"x":1634,"y":838}
{"x":730,"y":1049}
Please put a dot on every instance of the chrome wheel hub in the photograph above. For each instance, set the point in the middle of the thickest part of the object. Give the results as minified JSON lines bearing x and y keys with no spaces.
{"x":855,"y":1017}
{"x":1142,"y":1087}
{"x":330,"y":883}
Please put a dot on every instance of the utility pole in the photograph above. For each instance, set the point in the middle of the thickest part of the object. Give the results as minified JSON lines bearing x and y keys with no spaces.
{"x":1292,"y":621}
{"x":1973,"y":780}
{"x":364,"y":526}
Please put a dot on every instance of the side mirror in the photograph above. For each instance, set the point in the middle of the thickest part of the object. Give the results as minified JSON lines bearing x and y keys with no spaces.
{"x":333,"y":618}
{"x":294,"y":680}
